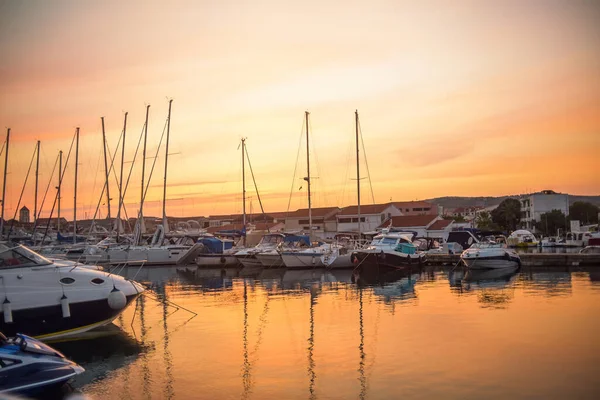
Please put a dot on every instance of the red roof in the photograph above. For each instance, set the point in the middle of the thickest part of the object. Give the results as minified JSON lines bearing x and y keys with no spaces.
{"x":364,"y":209}
{"x":409,"y":221}
{"x":440,"y":224}
{"x":316,"y":212}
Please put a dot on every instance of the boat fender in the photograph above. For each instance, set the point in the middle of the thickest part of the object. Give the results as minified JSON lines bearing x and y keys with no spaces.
{"x":64,"y":305}
{"x":116,"y":299}
{"x":222,"y":260}
{"x":7,"y":310}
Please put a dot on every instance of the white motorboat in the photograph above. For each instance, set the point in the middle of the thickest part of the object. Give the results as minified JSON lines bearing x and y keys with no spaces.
{"x":522,"y":238}
{"x":271,"y":258}
{"x":270,"y":241}
{"x":216,"y":252}
{"x":489,"y":255}
{"x":307,"y":258}
{"x":48,"y":299}
{"x":389,"y":250}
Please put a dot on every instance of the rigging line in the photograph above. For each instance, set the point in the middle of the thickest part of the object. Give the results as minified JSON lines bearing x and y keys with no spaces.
{"x":345,"y":181}
{"x":129,"y":175}
{"x":320,"y":190}
{"x":366,"y":162}
{"x":22,"y":191}
{"x":44,"y":198}
{"x":254,"y":180}
{"x":2,"y":151}
{"x":60,"y":179}
{"x":154,"y":163}
{"x":95,"y":181}
{"x":295,"y":168}
{"x":111,"y":168}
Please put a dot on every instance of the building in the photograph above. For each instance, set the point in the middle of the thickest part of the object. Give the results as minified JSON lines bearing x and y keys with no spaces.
{"x":416,"y":208}
{"x":24,"y":215}
{"x":298,"y":220}
{"x":371,"y":216}
{"x":423,"y":225}
{"x":535,"y":204}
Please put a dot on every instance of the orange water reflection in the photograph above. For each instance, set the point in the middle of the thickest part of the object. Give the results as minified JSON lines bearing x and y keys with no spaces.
{"x":315,"y":334}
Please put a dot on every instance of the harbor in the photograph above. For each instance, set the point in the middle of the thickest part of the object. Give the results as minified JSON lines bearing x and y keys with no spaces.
{"x":272,"y":333}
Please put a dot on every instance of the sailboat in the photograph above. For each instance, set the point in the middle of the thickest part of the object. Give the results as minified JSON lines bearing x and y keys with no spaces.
{"x":313,"y":256}
{"x":159,"y":251}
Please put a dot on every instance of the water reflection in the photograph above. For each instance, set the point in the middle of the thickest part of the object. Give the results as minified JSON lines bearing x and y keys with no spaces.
{"x":278,"y":333}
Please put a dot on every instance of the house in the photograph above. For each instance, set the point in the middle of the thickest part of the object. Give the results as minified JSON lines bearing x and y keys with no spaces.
{"x":299,"y":221}
{"x":535,"y":204}
{"x":24,"y":215}
{"x":423,"y":225}
{"x":416,"y":207}
{"x":371,"y":216}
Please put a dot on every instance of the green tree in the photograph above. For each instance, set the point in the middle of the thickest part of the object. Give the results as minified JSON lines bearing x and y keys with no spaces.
{"x":508,"y":214}
{"x":483,"y":220}
{"x":584,"y":212}
{"x":551,"y":221}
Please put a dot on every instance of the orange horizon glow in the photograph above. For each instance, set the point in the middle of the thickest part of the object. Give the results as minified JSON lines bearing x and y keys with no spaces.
{"x":468,"y":99}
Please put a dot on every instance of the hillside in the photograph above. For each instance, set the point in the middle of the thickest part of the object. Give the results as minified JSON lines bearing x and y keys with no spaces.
{"x":457,"y":201}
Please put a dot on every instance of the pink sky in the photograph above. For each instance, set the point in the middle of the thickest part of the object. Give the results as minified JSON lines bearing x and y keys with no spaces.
{"x":468,"y":98}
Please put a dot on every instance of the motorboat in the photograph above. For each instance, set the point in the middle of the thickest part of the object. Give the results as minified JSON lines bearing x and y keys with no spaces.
{"x":311,"y":257}
{"x":593,"y":249}
{"x":52,"y":299}
{"x":28,"y":366}
{"x":391,"y":250}
{"x":549,"y":241}
{"x":522,"y":238}
{"x":490,"y":255}
{"x":216,"y":252}
{"x":271,"y":258}
{"x":247,"y":257}
{"x":339,"y":254}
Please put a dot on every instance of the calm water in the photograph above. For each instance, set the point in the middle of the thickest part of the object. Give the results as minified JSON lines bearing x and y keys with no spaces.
{"x":267,"y":334}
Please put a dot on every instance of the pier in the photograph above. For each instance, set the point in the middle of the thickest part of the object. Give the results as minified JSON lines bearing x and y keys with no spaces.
{"x":530,"y":259}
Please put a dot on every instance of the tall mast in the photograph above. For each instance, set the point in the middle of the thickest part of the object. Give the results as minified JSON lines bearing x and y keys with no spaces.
{"x":140,"y":220}
{"x":37,"y":173}
{"x":357,"y":170}
{"x":58,"y":192}
{"x":75,"y":196}
{"x":244,"y":186}
{"x":164,"y":207}
{"x":106,"y":169}
{"x":4,"y":183}
{"x":308,"y":177}
{"x":118,"y":225}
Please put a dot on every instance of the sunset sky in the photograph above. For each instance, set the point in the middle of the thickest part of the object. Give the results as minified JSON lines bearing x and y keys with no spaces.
{"x":464,"y":98}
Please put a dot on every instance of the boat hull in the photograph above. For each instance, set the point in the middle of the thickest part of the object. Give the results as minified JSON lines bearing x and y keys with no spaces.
{"x":391,"y":259}
{"x":216,"y":260}
{"x":249,"y":260}
{"x":491,"y":263}
{"x":270,"y":260}
{"x":302,"y":260}
{"x":48,"y":323}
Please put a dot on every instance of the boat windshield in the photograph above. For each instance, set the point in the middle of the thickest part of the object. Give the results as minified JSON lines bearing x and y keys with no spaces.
{"x":271,"y":239}
{"x":12,"y":256}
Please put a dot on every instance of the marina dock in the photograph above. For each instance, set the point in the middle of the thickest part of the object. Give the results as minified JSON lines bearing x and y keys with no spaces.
{"x":530,"y":259}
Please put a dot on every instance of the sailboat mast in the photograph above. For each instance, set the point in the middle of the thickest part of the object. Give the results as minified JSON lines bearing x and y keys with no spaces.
{"x":357,"y":170}
{"x":60,"y":153}
{"x":244,"y":186}
{"x":141,"y":216}
{"x":37,"y":173}
{"x":164,"y":207}
{"x":4,"y":182}
{"x":75,"y":196}
{"x":118,"y":222}
{"x":306,"y":113}
{"x":106,"y":169}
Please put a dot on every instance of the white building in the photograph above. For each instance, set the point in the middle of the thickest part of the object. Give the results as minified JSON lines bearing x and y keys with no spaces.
{"x":535,"y":204}
{"x":371,"y":216}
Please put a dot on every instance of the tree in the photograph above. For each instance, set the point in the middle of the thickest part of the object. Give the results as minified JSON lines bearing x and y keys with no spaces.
{"x":508,"y":214}
{"x":551,"y":221}
{"x":584,"y":212}
{"x":483,"y":220}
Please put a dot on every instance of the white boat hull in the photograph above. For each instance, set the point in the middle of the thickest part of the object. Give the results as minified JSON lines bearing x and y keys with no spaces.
{"x":270,"y":260}
{"x":303,"y":259}
{"x":483,"y":263}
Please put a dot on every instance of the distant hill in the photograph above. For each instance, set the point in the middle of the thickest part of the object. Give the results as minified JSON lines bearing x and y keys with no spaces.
{"x":456,"y":201}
